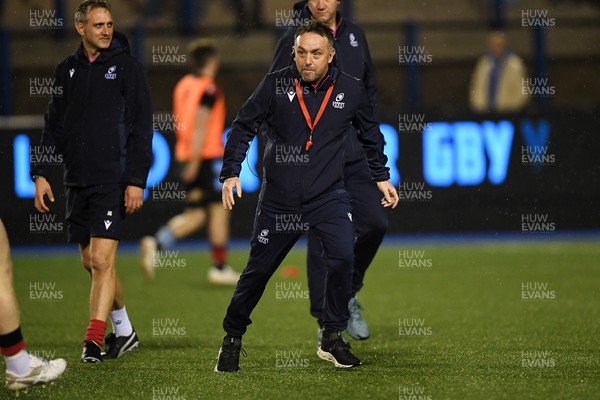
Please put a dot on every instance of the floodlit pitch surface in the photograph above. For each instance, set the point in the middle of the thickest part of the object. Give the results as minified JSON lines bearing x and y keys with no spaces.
{"x":481,"y":321}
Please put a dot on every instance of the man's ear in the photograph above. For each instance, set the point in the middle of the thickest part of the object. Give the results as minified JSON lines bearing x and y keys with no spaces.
{"x":79,"y":28}
{"x":331,"y":55}
{"x":293,"y":55}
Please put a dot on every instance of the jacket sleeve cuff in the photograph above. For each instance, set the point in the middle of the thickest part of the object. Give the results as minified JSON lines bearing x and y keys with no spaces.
{"x":137,"y":183}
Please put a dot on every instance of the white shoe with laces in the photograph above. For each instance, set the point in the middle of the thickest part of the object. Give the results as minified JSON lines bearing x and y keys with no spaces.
{"x":42,"y":371}
{"x":225,"y":276}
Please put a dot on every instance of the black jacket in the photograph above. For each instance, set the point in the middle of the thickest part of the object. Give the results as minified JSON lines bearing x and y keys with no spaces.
{"x":352,"y":57}
{"x":100,"y":118}
{"x":292,"y":175}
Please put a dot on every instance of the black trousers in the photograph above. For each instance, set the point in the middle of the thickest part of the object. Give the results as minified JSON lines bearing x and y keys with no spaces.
{"x":330,"y":220}
{"x":370,"y":222}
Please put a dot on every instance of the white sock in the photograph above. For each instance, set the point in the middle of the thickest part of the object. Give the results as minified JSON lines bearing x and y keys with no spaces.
{"x":19,"y":363}
{"x":120,"y":322}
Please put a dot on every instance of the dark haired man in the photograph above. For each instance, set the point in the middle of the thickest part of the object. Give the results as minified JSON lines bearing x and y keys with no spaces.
{"x":308,"y":108}
{"x":199,"y":107}
{"x":101,"y":123}
{"x":370,"y":221}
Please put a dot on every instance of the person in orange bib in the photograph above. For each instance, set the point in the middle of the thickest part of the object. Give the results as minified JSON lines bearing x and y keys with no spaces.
{"x":199,"y":106}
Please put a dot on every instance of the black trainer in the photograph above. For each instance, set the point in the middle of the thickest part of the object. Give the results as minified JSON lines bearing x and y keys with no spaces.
{"x":92,"y":353}
{"x":334,"y":349}
{"x":229,"y":355}
{"x":320,"y":337}
{"x":116,"y":346}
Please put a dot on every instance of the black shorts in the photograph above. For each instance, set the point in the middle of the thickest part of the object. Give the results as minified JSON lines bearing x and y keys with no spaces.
{"x":207,"y":181}
{"x":95,"y":211}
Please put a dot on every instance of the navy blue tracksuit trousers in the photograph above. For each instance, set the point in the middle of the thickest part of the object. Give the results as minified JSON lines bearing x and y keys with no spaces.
{"x":370,"y":222}
{"x":329,"y":218}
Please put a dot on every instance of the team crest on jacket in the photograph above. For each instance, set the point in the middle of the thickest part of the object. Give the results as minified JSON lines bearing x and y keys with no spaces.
{"x":111,"y":73}
{"x":338,"y":103}
{"x":353,"y":41}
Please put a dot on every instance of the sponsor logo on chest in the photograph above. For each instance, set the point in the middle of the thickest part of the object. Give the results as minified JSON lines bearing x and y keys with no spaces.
{"x":338,"y":103}
{"x":111,"y":73}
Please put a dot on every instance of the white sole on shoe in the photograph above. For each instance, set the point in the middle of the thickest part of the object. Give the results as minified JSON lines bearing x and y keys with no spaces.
{"x":134,"y":346}
{"x":324,"y":355}
{"x":39,"y":375}
{"x":217,"y":364}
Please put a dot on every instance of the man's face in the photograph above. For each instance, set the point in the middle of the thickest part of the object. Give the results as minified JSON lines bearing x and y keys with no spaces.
{"x":323,"y":10}
{"x":97,"y":31}
{"x":312,"y":55}
{"x":497,"y":45}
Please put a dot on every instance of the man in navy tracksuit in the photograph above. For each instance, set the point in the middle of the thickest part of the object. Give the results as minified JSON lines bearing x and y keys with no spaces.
{"x":100,"y":122}
{"x":308,"y":108}
{"x":370,"y":221}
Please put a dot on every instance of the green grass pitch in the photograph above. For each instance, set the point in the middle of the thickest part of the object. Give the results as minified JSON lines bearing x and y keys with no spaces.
{"x":482,"y":321}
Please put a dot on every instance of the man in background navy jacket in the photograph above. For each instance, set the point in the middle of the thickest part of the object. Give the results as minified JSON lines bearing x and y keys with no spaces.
{"x":308,"y":108}
{"x":370,"y":221}
{"x":99,"y":121}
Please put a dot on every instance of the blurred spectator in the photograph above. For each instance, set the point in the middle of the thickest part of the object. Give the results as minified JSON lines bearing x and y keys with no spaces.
{"x":497,"y":81}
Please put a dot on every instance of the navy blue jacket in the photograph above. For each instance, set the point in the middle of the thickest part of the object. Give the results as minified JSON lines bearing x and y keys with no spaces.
{"x":292,"y":175}
{"x":100,"y":120}
{"x":352,"y":57}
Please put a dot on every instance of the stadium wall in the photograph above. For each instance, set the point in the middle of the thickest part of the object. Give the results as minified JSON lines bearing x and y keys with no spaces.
{"x":522,"y":173}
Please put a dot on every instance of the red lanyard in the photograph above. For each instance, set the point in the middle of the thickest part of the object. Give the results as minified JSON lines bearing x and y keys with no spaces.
{"x":310,"y":123}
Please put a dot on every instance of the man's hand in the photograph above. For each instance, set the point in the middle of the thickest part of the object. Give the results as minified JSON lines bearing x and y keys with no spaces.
{"x":42,"y":187}
{"x":390,"y":195}
{"x":134,"y":198}
{"x":227,"y":192}
{"x":191,"y":171}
